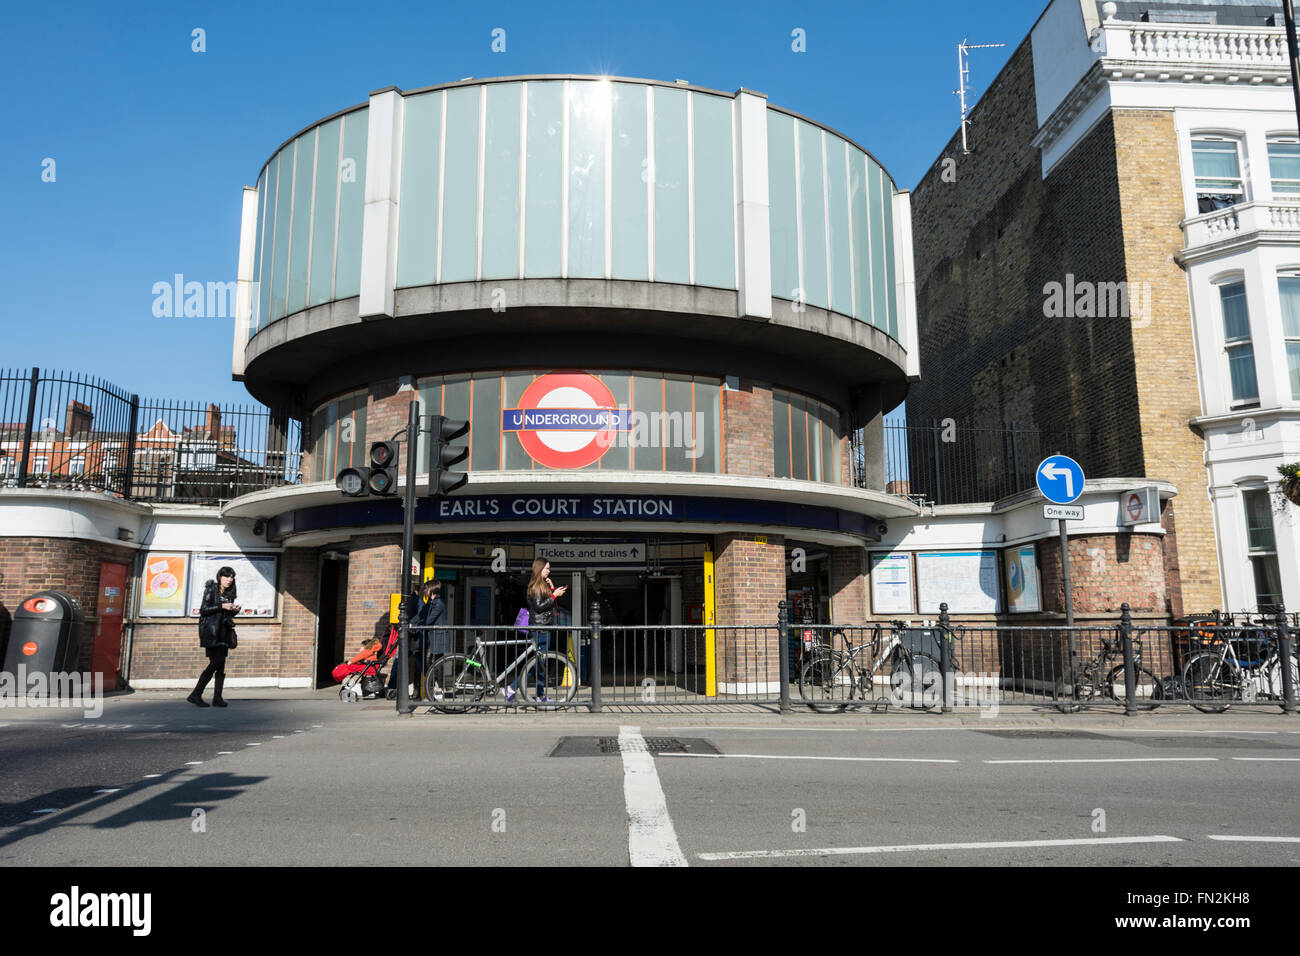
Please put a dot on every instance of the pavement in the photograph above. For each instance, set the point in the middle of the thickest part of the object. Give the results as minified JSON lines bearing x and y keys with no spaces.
{"x":298,"y":777}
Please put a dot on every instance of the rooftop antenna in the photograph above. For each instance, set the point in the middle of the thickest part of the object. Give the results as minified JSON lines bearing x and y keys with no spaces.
{"x":963,"y":74}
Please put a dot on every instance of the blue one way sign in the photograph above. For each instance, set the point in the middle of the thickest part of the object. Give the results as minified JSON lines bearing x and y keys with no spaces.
{"x":1060,"y":479}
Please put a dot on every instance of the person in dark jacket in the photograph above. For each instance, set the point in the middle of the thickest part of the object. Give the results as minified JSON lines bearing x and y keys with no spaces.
{"x":541,"y":595}
{"x":216,"y":624}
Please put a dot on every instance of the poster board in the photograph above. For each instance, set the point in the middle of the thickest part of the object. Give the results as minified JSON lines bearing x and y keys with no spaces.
{"x":164,"y":579}
{"x":255,"y":577}
{"x":966,"y":580}
{"x":891,"y":583}
{"x":1021,"y":567}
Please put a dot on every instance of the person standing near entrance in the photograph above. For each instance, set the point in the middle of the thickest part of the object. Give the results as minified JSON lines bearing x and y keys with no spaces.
{"x":433,"y":614}
{"x":216,"y":634}
{"x":541,"y":596}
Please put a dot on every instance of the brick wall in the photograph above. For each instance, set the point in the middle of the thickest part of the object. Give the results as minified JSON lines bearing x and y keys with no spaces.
{"x":749,"y":583}
{"x":1151,"y":201}
{"x":300,"y":578}
{"x":748,"y":440}
{"x":848,"y":585}
{"x":1105,"y":571}
{"x":374,"y":572}
{"x":170,"y":650}
{"x":987,"y":246}
{"x":28,"y":565}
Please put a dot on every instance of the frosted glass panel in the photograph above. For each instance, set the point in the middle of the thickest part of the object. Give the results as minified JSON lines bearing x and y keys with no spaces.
{"x":460,"y":191}
{"x":891,"y":291}
{"x":715,"y":232}
{"x":589,"y":104}
{"x":671,"y":174}
{"x":300,"y":247}
{"x":631,"y":176}
{"x":501,"y":183}
{"x":813,"y":214}
{"x":781,"y":197}
{"x":352,"y":201}
{"x":417,"y":234}
{"x":265,"y":186}
{"x":283,"y":207}
{"x":325,"y":217}
{"x":837,"y":192}
{"x":859,"y":214}
{"x":545,"y":171}
{"x":879,"y":273}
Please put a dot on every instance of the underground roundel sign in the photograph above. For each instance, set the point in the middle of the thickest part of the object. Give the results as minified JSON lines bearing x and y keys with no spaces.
{"x":566,"y":420}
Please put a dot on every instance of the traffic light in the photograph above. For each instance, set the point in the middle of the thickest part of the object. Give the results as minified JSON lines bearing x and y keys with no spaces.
{"x":442,"y":455}
{"x":382,"y":479}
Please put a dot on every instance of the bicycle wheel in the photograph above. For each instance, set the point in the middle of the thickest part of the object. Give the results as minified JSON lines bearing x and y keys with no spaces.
{"x":1147,"y":688}
{"x":889,"y":670}
{"x":559,"y":679}
{"x":827,"y":682}
{"x":1209,"y":684}
{"x":455,"y":683}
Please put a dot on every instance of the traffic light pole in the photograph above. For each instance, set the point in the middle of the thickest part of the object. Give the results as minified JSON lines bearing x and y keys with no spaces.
{"x":408,"y":545}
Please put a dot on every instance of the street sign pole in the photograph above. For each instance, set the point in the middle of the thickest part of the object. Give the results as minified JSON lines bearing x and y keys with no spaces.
{"x":1065,"y":577}
{"x":408,"y":545}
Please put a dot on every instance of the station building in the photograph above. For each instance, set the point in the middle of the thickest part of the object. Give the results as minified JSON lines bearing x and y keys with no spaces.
{"x":675,"y":318}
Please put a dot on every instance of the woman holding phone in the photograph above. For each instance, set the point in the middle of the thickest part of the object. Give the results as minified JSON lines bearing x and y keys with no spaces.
{"x":541,"y":595}
{"x":216,"y":629}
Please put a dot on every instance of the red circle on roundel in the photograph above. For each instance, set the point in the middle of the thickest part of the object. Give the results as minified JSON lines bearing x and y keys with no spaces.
{"x":566,"y":448}
{"x":29,"y":648}
{"x":1134,"y":506}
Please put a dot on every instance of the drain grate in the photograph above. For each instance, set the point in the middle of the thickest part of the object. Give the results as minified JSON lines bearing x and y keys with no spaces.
{"x":608,"y":746}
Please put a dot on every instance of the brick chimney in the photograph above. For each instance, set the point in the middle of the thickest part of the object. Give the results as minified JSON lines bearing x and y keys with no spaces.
{"x":78,"y":420}
{"x":213,"y":427}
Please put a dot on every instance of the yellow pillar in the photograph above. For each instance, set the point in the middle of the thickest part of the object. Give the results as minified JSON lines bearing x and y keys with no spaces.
{"x":710,"y":639}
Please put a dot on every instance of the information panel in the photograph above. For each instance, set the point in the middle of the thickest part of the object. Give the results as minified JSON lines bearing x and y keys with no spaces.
{"x":254,"y":581}
{"x":1022,"y":579}
{"x":966,"y":580}
{"x":163,"y":582}
{"x":891,"y":583}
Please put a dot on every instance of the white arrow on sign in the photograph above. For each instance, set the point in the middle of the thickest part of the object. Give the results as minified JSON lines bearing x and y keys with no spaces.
{"x":1052,"y":472}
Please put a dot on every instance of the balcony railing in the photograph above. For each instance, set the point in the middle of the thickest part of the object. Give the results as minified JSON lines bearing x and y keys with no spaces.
{"x":1243,"y":221}
{"x":1200,"y":44}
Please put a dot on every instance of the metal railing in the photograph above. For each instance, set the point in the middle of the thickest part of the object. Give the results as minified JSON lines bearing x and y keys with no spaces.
{"x":945,"y":463}
{"x":939,"y":666}
{"x":70,"y":431}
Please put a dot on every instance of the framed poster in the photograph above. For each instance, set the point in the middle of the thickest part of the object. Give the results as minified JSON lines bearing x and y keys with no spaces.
{"x":163,"y":581}
{"x":1021,"y":565}
{"x":966,"y":580}
{"x":891,"y":583}
{"x":255,"y":576}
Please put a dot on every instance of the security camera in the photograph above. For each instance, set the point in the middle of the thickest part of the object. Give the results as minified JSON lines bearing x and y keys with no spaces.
{"x":259,"y":527}
{"x":882,"y":529}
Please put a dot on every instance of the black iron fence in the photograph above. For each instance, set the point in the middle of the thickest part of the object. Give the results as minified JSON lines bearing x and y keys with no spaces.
{"x":946,"y":463}
{"x":939,"y":666}
{"x":64,"y":430}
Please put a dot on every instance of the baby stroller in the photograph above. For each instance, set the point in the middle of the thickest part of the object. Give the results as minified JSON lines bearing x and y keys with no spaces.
{"x":361,"y":678}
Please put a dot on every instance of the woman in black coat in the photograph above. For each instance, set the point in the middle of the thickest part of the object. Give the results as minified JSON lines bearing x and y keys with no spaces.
{"x":216,"y":624}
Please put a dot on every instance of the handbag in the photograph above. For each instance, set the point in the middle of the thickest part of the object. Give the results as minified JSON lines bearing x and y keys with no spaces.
{"x":232,"y":640}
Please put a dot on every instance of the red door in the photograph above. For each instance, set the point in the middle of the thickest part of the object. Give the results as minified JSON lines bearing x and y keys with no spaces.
{"x":106,"y":657}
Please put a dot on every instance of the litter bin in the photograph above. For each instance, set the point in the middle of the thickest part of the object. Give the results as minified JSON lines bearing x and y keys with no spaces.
{"x":923,"y":640}
{"x":46,"y":634}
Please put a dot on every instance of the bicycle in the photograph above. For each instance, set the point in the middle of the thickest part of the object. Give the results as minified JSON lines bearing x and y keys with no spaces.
{"x":1085,"y":681}
{"x":1213,"y":680}
{"x":458,"y":682}
{"x":832,"y":679}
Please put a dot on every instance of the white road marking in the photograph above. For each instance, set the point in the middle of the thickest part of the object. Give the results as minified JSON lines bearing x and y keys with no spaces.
{"x":773,"y":730}
{"x":804,"y":757}
{"x":253,"y":745}
{"x":112,"y":790}
{"x":1115,"y":760}
{"x":1157,"y":730}
{"x":1253,"y":839}
{"x":1270,"y":759}
{"x":930,"y":847}
{"x":150,"y":776}
{"x":651,"y":839}
{"x":45,"y":811}
{"x":223,"y":753}
{"x":277,"y":736}
{"x":193,"y":763}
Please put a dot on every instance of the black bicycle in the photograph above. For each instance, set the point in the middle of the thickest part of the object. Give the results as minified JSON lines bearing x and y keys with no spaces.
{"x":1103,"y":677}
{"x":832,"y":679}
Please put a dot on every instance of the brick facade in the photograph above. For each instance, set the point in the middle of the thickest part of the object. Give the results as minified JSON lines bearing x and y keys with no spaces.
{"x":374,"y":572}
{"x":848,"y":585}
{"x":28,"y":565}
{"x":749,"y":582}
{"x":747,"y":442}
{"x":992,"y":234}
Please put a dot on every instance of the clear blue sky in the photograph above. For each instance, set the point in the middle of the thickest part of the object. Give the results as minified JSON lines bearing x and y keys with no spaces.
{"x":152,"y":141}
